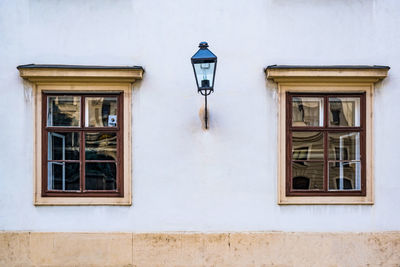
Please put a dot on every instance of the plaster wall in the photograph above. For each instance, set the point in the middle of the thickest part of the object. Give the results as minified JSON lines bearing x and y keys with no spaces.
{"x":185,"y":178}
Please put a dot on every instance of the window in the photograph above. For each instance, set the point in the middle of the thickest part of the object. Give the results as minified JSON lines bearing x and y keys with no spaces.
{"x":325,"y":133}
{"x":82,"y":145}
{"x":326,"y":144}
{"x":82,"y":140}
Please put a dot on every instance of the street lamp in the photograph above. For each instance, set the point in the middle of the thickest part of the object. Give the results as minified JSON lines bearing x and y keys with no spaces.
{"x":204,"y":65}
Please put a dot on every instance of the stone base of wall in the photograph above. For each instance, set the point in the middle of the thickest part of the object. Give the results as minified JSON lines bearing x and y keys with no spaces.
{"x":199,"y":249}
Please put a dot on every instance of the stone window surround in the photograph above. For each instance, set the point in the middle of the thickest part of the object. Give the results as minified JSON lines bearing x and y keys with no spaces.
{"x":325,"y":79}
{"x":81,"y":79}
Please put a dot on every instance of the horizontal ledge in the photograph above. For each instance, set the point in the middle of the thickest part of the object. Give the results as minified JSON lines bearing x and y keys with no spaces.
{"x":82,"y":204}
{"x":79,"y":201}
{"x":327,"y":67}
{"x":327,"y":200}
{"x":58,"y":66}
{"x":335,"y":73}
{"x":77,"y":73}
{"x":325,"y":203}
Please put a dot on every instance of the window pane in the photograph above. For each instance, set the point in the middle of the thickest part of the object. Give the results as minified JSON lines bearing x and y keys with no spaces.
{"x":63,"y":110}
{"x":63,"y":176}
{"x":101,"y":111}
{"x":344,"y":146}
{"x":101,"y":176}
{"x":307,"y":145}
{"x":344,"y":176}
{"x":101,"y":146}
{"x":63,"y":146}
{"x":308,"y":175}
{"x":307,"y":111}
{"x":344,"y":111}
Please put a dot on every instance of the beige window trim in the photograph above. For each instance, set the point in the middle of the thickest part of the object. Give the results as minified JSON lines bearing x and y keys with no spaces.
{"x":68,"y":74}
{"x":323,"y":80}
{"x":82,"y":80}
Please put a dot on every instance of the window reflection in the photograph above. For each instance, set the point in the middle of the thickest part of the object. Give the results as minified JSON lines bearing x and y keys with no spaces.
{"x":101,"y":111}
{"x":344,"y":111}
{"x":63,"y":176}
{"x":307,"y":111}
{"x":63,"y":146}
{"x":101,"y":176}
{"x":63,"y":111}
{"x":307,"y":145}
{"x":101,"y":146}
{"x":344,"y":175}
{"x":301,"y":182}
{"x":313,"y":171}
{"x":344,"y":146}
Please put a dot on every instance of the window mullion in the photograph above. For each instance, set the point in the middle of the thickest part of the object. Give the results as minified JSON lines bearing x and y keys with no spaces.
{"x":289,"y":143}
{"x":119,"y":147}
{"x":326,"y":123}
{"x":82,"y":144}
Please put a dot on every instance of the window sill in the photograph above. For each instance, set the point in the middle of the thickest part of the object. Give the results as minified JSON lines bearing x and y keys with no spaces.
{"x":82,"y":201}
{"x":285,"y":200}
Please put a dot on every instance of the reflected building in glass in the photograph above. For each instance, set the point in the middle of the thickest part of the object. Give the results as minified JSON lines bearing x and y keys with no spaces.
{"x":326,"y":156}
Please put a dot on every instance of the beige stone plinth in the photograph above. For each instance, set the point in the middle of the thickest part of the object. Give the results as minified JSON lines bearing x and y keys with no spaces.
{"x":199,"y":249}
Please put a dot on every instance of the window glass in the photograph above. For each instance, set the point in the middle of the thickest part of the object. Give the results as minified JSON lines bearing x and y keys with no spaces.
{"x":204,"y":74}
{"x":308,"y":111}
{"x":63,"y":111}
{"x":101,"y":111}
{"x":307,"y":145}
{"x":344,"y":111}
{"x":344,"y":175}
{"x":101,"y":176}
{"x":63,"y":176}
{"x":101,"y":146}
{"x":63,"y":146}
{"x":344,"y":146}
{"x":313,"y":172}
{"x":324,"y":159}
{"x":96,"y":169}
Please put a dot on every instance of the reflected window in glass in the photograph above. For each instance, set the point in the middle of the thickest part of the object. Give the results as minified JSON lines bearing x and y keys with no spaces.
{"x":344,"y":111}
{"x":307,"y":111}
{"x":101,"y":111}
{"x":63,"y":111}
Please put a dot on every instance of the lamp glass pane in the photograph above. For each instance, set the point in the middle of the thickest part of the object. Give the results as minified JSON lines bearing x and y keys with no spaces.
{"x":204,"y":74}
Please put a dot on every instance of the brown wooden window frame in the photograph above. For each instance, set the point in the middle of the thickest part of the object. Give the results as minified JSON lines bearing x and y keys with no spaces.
{"x":82,"y":129}
{"x":325,"y":129}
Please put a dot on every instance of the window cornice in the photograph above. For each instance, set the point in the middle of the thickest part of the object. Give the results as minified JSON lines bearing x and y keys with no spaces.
{"x":337,"y":73}
{"x":79,"y":73}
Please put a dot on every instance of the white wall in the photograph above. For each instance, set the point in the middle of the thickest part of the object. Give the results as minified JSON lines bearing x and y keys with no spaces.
{"x":185,"y":178}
